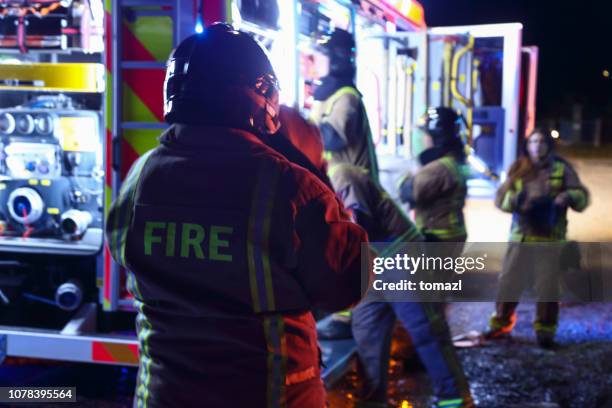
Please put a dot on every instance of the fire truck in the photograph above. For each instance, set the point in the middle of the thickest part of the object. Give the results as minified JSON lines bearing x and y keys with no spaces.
{"x":81,"y":98}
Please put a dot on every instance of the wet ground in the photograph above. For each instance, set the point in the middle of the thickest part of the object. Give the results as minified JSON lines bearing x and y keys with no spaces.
{"x":515,"y":373}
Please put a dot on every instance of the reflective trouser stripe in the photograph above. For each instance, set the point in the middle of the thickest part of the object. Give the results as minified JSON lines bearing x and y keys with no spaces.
{"x":440,"y":328}
{"x":500,"y":323}
{"x":543,"y":327}
{"x":258,"y":245}
{"x":144,"y":332}
{"x":344,"y":314}
{"x":274,"y":329}
{"x":452,"y":403}
{"x":446,"y":233}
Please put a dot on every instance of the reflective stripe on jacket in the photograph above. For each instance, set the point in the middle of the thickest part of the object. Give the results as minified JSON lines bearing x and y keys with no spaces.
{"x":547,"y":222}
{"x":230,"y":246}
{"x":345,"y":113}
{"x":372,"y":207}
{"x":439,"y":190}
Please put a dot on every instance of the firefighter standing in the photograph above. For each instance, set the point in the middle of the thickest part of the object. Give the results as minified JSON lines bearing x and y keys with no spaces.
{"x":229,"y":244}
{"x":438,"y":191}
{"x":340,"y":114}
{"x":539,"y":189}
{"x":339,"y":110}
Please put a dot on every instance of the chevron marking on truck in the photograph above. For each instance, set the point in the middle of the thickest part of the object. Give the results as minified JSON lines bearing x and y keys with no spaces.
{"x":114,"y":353}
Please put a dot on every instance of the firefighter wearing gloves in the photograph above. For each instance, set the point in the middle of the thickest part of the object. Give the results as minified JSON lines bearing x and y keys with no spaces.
{"x":372,"y":322}
{"x":438,"y":190}
{"x":228,"y":243}
{"x":540,"y":188}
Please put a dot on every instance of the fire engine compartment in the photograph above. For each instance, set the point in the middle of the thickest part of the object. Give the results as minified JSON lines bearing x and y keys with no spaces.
{"x":52,"y":159}
{"x":51,"y":172}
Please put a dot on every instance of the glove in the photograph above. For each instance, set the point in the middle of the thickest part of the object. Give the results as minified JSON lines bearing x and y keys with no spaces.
{"x":405,"y":191}
{"x":562,"y":200}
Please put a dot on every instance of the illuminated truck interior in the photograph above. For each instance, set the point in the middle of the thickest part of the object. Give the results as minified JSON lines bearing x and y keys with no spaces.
{"x":52,"y":157}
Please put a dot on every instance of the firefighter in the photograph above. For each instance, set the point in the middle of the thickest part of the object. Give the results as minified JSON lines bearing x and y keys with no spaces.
{"x":372,"y":322}
{"x":228,"y":243}
{"x":438,"y":190}
{"x":540,"y":187}
{"x":340,"y":114}
{"x":339,"y":110}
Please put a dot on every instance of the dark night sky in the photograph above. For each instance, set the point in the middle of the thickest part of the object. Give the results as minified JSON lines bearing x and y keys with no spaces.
{"x":574,"y":38}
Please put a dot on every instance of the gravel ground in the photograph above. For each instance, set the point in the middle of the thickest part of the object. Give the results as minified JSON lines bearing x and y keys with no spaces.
{"x":516,"y":372}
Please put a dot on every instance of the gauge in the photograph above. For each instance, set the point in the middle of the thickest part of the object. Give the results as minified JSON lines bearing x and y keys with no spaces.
{"x":25,"y":124}
{"x":7,"y":123}
{"x":44,"y":124}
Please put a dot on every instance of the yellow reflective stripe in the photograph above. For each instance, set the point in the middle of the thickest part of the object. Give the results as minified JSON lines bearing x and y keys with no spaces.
{"x":144,"y":333}
{"x":518,"y":185}
{"x":274,"y":331}
{"x":558,"y":169}
{"x":506,"y":204}
{"x":266,"y":243}
{"x":447,"y":350}
{"x":451,"y":403}
{"x":132,"y":184}
{"x":333,"y":168}
{"x":345,"y":90}
{"x":258,"y":243}
{"x":498,"y":323}
{"x":446,"y":233}
{"x":556,"y":178}
{"x":550,"y":328}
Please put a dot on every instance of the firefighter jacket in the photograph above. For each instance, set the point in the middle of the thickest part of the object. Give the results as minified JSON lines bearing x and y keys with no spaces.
{"x":437,"y":193}
{"x":531,"y":200}
{"x":371,"y":206}
{"x":345,"y":129}
{"x":229,"y":247}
